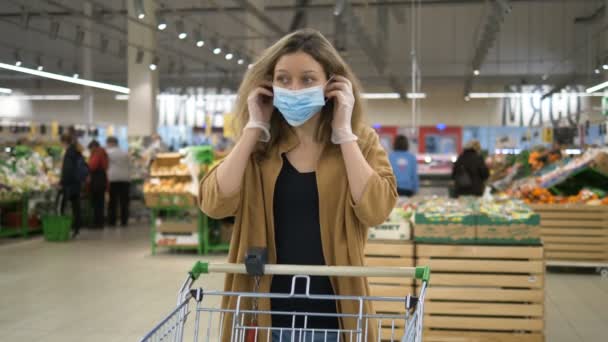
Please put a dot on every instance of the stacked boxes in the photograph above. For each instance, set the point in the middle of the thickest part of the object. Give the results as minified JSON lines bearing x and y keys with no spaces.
{"x":474,"y":221}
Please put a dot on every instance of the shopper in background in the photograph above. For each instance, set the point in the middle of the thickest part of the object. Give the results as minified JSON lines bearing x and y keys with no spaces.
{"x":119,"y":177}
{"x":98,"y":181}
{"x":306,"y":179}
{"x":470,"y":171}
{"x":405,"y":167}
{"x":73,"y":174}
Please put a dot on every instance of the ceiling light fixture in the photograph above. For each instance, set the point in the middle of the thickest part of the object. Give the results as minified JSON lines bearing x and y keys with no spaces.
{"x":229,"y":56}
{"x":5,"y":91}
{"x":199,"y":38}
{"x":377,"y":96}
{"x":596,"y":87}
{"x":181,"y":31}
{"x":140,"y":11}
{"x":476,"y":72}
{"x":18,"y":61}
{"x":63,"y":78}
{"x":240,"y":61}
{"x":596,"y":71}
{"x":40,"y":67}
{"x":162,"y":22}
{"x":154,"y":64}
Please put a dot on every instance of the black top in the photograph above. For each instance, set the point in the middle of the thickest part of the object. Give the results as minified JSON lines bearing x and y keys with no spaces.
{"x":473,"y":164}
{"x":298,"y":241}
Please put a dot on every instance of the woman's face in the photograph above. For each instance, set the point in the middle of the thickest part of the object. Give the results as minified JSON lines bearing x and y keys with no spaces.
{"x":297,"y":71}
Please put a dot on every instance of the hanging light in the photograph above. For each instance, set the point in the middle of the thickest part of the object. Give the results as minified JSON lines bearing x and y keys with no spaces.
{"x":40,"y":67}
{"x":54,"y":30}
{"x":181,"y":32}
{"x":140,"y":11}
{"x":154,"y":64}
{"x":139,"y":57}
{"x":596,"y":71}
{"x":240,"y":61}
{"x":229,"y":56}
{"x":199,"y":38}
{"x":217,"y":50}
{"x":476,"y":72}
{"x":162,"y":22}
{"x":18,"y":60}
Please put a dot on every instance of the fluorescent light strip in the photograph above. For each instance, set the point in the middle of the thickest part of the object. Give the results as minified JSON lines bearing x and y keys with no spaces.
{"x":517,"y":95}
{"x":375,"y":96}
{"x":68,"y":79}
{"x":208,"y":97}
{"x":597,"y":87}
{"x":5,"y":91}
{"x":416,"y":95}
{"x":46,"y":97}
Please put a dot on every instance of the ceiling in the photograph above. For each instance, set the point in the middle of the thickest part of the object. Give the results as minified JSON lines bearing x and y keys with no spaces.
{"x":538,"y":41}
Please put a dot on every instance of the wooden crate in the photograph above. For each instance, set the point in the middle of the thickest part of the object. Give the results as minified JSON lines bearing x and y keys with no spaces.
{"x":574,"y":233}
{"x":390,"y":253}
{"x":483,"y":293}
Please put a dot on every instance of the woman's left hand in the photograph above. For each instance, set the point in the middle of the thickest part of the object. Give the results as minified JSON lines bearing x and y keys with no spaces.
{"x":341,"y":90}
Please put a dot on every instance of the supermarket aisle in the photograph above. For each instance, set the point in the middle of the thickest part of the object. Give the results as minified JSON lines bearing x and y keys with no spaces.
{"x":106,"y":287}
{"x":103,"y":287}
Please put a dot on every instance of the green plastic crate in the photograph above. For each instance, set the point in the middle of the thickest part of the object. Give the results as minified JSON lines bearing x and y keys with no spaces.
{"x":56,"y":227}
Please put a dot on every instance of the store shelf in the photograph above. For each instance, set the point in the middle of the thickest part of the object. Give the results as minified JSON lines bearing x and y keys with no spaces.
{"x":483,"y":293}
{"x":160,"y":175}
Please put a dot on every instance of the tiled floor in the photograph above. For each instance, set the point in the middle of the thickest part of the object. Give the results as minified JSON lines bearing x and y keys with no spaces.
{"x":107,"y":287}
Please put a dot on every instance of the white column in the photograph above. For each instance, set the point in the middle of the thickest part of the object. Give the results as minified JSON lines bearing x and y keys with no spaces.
{"x":143,"y":82}
{"x":87,"y":65}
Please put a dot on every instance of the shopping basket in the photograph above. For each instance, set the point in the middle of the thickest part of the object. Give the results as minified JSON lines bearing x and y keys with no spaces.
{"x":56,"y":227}
{"x":209,"y":323}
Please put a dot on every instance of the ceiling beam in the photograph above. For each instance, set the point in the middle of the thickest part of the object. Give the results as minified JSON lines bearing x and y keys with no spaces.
{"x":251,"y":8}
{"x":498,"y":9}
{"x":300,"y":17}
{"x":395,"y":4}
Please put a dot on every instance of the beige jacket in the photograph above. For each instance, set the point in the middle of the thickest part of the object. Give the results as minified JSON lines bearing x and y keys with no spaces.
{"x":343,"y":223}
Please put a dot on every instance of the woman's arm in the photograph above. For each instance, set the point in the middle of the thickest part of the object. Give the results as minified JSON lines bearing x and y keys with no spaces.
{"x":358,"y":170}
{"x":371,"y":181}
{"x":231,"y":171}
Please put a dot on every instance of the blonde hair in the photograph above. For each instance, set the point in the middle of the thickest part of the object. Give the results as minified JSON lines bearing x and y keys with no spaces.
{"x":318,"y":47}
{"x":473,"y":145}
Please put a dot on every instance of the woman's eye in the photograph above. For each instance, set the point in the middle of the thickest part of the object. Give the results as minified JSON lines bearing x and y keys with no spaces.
{"x":308,"y":80}
{"x":282,"y":80}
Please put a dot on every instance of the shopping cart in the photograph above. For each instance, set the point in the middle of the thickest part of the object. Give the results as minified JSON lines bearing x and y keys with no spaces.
{"x":211,"y":324}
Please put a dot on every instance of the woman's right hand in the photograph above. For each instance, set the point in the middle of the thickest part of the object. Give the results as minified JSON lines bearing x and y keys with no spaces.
{"x":259,"y":103}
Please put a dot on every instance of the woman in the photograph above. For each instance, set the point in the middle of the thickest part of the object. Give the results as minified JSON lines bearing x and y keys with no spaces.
{"x":305,"y":179}
{"x":470,"y":171}
{"x":98,"y":181}
{"x":405,"y":167}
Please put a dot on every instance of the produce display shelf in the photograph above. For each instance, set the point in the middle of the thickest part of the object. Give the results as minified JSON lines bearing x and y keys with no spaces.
{"x":574,"y":234}
{"x":483,"y":293}
{"x":24,"y":230}
{"x":201,"y":232}
{"x":159,"y":175}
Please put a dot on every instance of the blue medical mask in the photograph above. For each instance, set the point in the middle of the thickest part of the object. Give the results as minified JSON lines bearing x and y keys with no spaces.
{"x":298,"y":106}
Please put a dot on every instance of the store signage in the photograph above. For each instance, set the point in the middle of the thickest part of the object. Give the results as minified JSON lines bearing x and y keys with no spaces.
{"x":193,"y":107}
{"x":530,"y":109}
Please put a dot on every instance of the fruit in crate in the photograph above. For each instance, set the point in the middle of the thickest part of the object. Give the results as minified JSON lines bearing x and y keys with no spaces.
{"x":173,"y":170}
{"x":169,"y":185}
